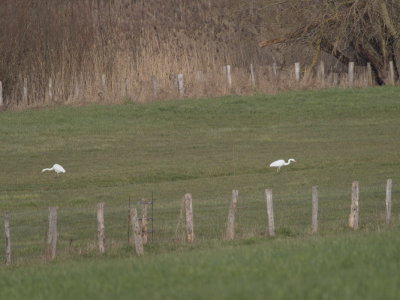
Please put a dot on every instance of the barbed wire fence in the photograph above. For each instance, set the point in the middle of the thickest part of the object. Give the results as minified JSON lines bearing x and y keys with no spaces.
{"x":165,"y":221}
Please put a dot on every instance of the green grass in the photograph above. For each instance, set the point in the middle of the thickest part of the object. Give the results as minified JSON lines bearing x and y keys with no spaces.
{"x":206,"y":147}
{"x":347,"y":266}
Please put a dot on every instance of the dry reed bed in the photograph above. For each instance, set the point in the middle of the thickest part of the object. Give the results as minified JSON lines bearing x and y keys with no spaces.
{"x":80,"y":52}
{"x":112,"y":89}
{"x":74,"y":43}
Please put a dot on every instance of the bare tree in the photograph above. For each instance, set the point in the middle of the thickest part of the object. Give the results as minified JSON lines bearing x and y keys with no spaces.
{"x":350,"y":30}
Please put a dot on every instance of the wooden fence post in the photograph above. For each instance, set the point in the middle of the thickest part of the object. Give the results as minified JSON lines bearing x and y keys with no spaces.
{"x":7,"y":237}
{"x":388,"y":200}
{"x":25,"y":92}
{"x":351,"y":74}
{"x":76,"y":89}
{"x":354,"y":211}
{"x":136,"y":232}
{"x":252,"y":76}
{"x":270,"y":212}
{"x":154,"y":85}
{"x":104,"y":81}
{"x":227,"y":71}
{"x":369,"y":73}
{"x":321,"y":73}
{"x":50,"y":89}
{"x":230,"y":228}
{"x":200,"y":81}
{"x":1,"y":94}
{"x":335,"y":79}
{"x":297,"y":71}
{"x":314,"y":218}
{"x":181,"y":87}
{"x":143,"y":231}
{"x":100,"y":226}
{"x":189,"y":218}
{"x":391,"y":73}
{"x":52,"y":233}
{"x":275,"y":69}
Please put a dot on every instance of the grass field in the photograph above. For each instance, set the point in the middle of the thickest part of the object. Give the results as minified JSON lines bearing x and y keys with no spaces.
{"x":201,"y":146}
{"x":348,"y":266}
{"x":206,"y":147}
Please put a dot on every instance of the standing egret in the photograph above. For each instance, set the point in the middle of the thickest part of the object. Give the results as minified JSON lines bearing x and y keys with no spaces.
{"x":280,"y":163}
{"x":56,"y":168}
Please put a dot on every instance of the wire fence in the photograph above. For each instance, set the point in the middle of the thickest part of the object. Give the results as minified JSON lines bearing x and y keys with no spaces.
{"x":77,"y":226}
{"x":215,"y":82}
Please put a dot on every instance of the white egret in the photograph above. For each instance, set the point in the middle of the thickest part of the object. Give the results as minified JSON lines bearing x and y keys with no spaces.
{"x":56,"y":168}
{"x":280,"y":163}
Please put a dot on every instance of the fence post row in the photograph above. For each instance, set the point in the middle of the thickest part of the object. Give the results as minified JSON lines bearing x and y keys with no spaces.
{"x":314,"y":218}
{"x":354,"y":211}
{"x":189,"y":218}
{"x":139,"y":229}
{"x":230,"y":228}
{"x":270,"y":212}
{"x":52,"y":233}
{"x":137,"y":238}
{"x":388,"y":200}
{"x":100,"y":226}
{"x":7,"y":237}
{"x":227,"y":72}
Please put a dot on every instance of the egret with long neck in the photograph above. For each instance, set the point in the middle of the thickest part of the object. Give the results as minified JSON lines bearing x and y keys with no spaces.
{"x":280,"y":163}
{"x":56,"y":168}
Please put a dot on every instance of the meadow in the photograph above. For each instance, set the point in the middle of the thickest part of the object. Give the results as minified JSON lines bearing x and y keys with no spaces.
{"x":207,"y":147}
{"x":201,"y":146}
{"x":346,"y":266}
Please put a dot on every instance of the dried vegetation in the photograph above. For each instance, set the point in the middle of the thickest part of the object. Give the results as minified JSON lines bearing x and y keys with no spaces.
{"x":75,"y":52}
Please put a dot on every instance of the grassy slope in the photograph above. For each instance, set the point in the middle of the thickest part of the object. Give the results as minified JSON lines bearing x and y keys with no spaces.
{"x":352,"y":266}
{"x":111,"y":152}
{"x":208,"y":147}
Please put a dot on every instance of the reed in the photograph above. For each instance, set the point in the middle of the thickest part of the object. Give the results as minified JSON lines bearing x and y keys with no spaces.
{"x":78,"y":44}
